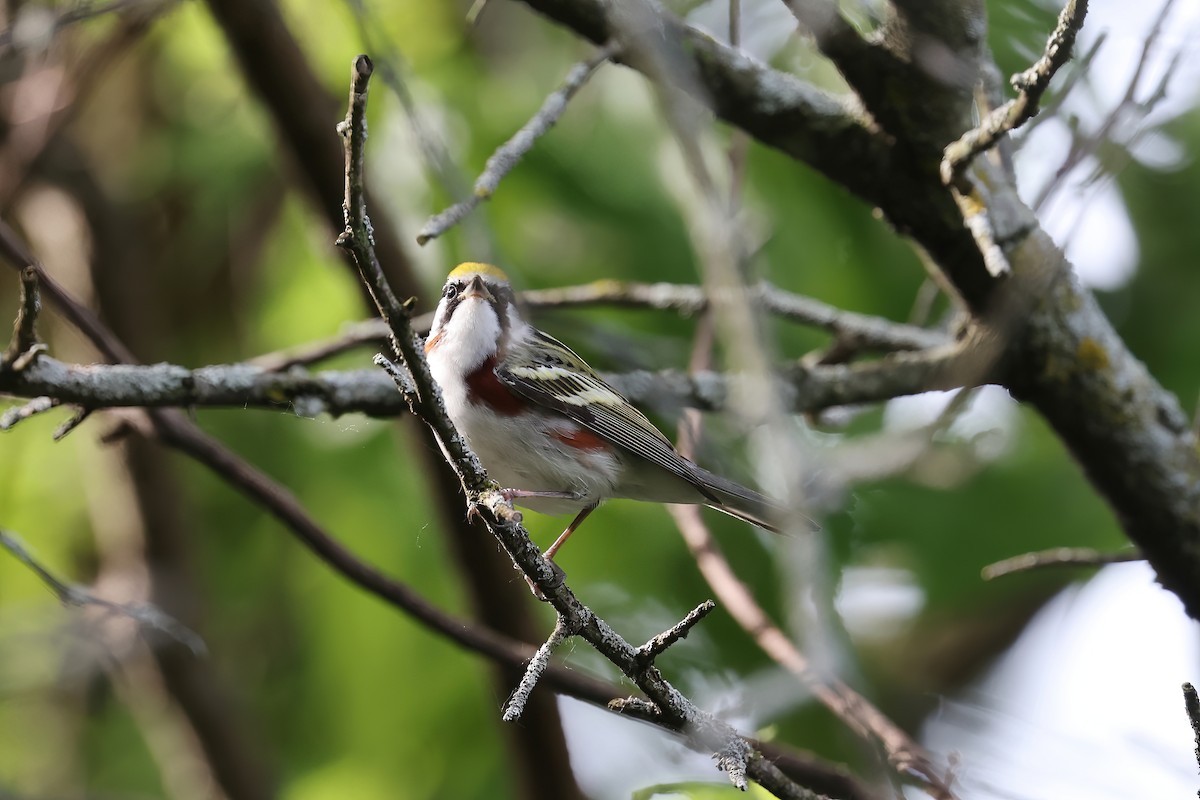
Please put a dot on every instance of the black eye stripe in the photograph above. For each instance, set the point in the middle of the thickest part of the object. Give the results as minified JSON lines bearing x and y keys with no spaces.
{"x":452,"y":294}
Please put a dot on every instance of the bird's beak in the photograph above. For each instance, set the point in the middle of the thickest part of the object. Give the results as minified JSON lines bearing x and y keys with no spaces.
{"x":477,"y":288}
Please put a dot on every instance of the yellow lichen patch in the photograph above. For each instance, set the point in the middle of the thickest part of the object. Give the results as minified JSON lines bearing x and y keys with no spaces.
{"x":473,"y":267}
{"x":1092,"y":355}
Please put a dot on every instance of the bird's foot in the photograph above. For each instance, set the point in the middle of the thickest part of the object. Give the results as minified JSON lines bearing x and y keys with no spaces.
{"x":559,"y":578}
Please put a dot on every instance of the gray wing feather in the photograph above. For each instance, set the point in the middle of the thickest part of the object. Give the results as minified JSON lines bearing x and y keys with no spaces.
{"x":552,"y":375}
{"x":549,"y":373}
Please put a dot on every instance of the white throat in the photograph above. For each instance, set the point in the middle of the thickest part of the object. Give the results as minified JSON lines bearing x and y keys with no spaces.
{"x":468,"y":338}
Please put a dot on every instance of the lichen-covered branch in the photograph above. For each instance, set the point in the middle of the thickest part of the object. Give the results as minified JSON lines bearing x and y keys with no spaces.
{"x":1129,"y":434}
{"x":804,"y":388}
{"x":515,"y":707}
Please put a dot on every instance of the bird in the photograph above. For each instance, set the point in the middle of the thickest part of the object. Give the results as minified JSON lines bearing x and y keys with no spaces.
{"x":546,"y":426}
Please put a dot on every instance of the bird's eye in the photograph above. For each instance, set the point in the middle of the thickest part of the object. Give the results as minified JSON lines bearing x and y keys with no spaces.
{"x":451,"y":291}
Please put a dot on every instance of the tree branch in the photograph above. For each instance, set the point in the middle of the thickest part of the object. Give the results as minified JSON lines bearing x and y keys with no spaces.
{"x":866,"y":331}
{"x":146,"y":615}
{"x":23,"y":347}
{"x":301,"y":109}
{"x":1191,"y":704}
{"x":1058,"y":557}
{"x":534,"y":670}
{"x":1030,"y":85}
{"x":700,"y":730}
{"x":509,"y":154}
{"x":804,"y":388}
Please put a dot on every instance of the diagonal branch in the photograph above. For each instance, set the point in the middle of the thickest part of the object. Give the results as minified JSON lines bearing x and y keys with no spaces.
{"x":903,"y":753}
{"x":699,"y":729}
{"x":146,"y":615}
{"x":509,"y":154}
{"x":176,"y":431}
{"x":1030,"y":84}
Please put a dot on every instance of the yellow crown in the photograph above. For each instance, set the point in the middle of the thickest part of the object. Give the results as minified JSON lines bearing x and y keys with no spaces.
{"x":473,"y":267}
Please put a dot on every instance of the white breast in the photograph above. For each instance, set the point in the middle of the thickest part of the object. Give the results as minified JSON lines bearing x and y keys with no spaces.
{"x":519,"y":451}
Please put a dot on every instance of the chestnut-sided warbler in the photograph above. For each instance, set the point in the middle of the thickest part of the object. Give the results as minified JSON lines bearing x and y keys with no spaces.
{"x":540,"y":419}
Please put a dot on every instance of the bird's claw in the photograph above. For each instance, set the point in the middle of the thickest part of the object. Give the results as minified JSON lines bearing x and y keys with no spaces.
{"x":22,"y":361}
{"x":559,"y":578}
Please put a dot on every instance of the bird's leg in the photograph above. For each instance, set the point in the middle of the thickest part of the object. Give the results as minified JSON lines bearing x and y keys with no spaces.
{"x":559,"y":575}
{"x":562,"y":538}
{"x":513,"y":494}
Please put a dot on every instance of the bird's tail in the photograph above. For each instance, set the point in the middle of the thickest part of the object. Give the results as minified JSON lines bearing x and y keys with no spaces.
{"x":746,"y":504}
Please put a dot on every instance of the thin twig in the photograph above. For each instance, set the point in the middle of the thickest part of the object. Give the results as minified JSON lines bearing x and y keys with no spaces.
{"x":71,"y":423}
{"x":367,"y":333}
{"x":1078,"y":71}
{"x":358,"y":241}
{"x":515,"y":706}
{"x":905,"y":755}
{"x":145,"y":614}
{"x":1191,"y":704}
{"x":871,"y":333}
{"x":1059,"y":557}
{"x":1030,"y":85}
{"x":24,"y":338}
{"x":509,"y":154}
{"x":659,"y":644}
{"x":1083,"y":146}
{"x":42,"y":403}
